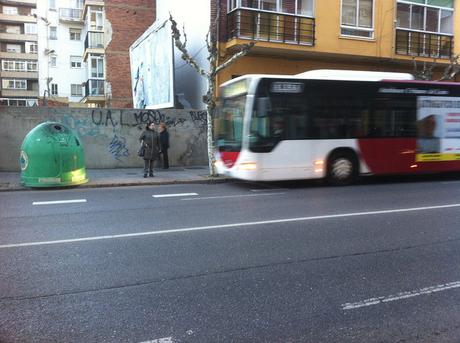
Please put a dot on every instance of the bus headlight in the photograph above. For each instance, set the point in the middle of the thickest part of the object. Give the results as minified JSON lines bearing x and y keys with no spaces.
{"x":319,"y":166}
{"x":218,"y":164}
{"x":247,"y":166}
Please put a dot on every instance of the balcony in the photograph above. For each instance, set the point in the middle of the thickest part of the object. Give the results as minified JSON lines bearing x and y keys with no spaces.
{"x":94,"y":88}
{"x":9,"y":18}
{"x":71,"y":15}
{"x":17,"y":37}
{"x":270,"y":27}
{"x":31,"y":3}
{"x":30,"y":75}
{"x":18,"y":55}
{"x":94,"y":44}
{"x":19,"y":93}
{"x":416,"y":43}
{"x":94,"y":40}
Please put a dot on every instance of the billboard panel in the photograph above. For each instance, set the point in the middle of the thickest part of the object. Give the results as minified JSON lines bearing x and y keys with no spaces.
{"x":438,"y":128}
{"x":152,"y":67}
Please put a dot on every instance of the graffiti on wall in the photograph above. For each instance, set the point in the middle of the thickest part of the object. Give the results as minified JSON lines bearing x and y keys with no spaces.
{"x":118,"y":148}
{"x":110,"y":125}
{"x":105,"y":117}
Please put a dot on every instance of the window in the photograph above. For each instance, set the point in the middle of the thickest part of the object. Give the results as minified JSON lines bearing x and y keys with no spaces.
{"x":53,"y":32}
{"x":75,"y":62}
{"x":18,"y":102}
{"x":14,"y":84}
{"x":357,"y":18}
{"x":422,"y":17}
{"x":13,"y":48}
{"x":32,"y":66}
{"x":52,"y":5}
{"x":425,"y":28}
{"x":54,"y":89}
{"x":76,"y":90}
{"x":75,"y":34}
{"x":13,"y":65}
{"x":299,"y":7}
{"x":10,"y":10}
{"x":53,"y":60}
{"x":97,"y":67}
{"x":96,"y":22}
{"x":30,"y":29}
{"x":8,"y":65}
{"x":31,"y":48}
{"x":78,"y":4}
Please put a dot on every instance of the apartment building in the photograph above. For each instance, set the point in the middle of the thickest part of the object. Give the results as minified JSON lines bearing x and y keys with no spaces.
{"x":61,"y":67}
{"x":69,"y":52}
{"x":294,"y":36}
{"x":18,"y":53}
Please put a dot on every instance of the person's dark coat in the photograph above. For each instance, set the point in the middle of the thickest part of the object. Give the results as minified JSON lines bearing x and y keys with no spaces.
{"x":151,"y":143}
{"x":164,"y":140}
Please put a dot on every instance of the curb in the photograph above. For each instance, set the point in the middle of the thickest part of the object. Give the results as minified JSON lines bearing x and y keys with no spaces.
{"x":14,"y":188}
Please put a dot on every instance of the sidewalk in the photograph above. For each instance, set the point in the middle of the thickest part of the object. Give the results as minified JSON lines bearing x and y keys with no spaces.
{"x":10,"y":181}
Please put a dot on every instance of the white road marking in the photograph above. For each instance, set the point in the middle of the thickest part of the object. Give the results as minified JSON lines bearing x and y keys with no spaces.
{"x":173,"y":195}
{"x":35,"y":203}
{"x":400,"y":296}
{"x":268,"y":189}
{"x":161,"y":340}
{"x":227,"y":226}
{"x":234,"y":196}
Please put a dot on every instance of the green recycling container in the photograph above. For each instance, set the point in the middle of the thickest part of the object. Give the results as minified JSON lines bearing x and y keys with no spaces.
{"x":52,"y":156}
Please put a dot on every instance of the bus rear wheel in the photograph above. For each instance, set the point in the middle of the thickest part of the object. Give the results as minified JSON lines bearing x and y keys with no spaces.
{"x":342,"y":169}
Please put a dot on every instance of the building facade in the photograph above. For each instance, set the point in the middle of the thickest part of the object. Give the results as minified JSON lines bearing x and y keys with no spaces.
{"x":18,"y":53}
{"x":69,"y":52}
{"x":293,"y":36}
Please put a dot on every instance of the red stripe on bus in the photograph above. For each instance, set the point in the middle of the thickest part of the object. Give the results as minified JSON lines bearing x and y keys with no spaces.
{"x":398,"y":156}
{"x":229,"y":158}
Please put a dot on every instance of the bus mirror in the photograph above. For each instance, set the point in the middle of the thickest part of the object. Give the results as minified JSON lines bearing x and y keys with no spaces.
{"x":263,"y":106}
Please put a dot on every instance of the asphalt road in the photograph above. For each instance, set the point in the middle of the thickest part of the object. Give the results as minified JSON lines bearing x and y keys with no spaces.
{"x":235,"y":262}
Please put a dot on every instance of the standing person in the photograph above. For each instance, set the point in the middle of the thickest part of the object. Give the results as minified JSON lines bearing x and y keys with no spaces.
{"x":164,"y":144}
{"x":151,"y":142}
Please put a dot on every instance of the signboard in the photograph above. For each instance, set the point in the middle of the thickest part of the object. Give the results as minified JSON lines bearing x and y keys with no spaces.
{"x":438,"y":128}
{"x":152,"y":68}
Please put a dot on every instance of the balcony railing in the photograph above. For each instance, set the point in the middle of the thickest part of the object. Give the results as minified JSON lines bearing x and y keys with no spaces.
{"x":271,"y":27}
{"x":94,"y":87}
{"x":94,"y":40}
{"x":416,"y":43}
{"x":70,"y":14}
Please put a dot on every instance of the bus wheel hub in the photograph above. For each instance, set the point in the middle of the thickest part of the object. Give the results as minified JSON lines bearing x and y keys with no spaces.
{"x":342,"y":168}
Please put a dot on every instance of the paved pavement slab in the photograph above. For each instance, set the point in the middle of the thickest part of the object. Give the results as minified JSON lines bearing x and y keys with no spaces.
{"x":126,"y":177}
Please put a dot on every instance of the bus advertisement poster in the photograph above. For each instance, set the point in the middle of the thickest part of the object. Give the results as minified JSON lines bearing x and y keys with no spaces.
{"x":438,"y":128}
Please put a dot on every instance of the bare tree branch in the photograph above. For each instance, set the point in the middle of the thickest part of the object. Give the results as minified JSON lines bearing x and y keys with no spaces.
{"x":244,"y":51}
{"x":452,"y":70}
{"x":182,"y":48}
{"x":213,"y":54}
{"x":426,"y":72}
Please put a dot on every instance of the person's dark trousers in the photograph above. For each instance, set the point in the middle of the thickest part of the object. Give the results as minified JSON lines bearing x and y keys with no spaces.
{"x":165,"y":159}
{"x":148,"y":167}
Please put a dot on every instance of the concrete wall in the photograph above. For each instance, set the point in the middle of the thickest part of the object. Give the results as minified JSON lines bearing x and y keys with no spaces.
{"x":110,"y":136}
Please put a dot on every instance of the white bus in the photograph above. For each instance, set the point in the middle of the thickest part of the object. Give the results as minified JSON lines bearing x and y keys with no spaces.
{"x":336,"y":124}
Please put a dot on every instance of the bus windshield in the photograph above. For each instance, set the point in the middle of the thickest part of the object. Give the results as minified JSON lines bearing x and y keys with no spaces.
{"x":228,"y":124}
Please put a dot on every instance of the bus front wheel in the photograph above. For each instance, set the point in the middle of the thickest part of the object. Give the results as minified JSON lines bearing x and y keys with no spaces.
{"x":342,"y":168}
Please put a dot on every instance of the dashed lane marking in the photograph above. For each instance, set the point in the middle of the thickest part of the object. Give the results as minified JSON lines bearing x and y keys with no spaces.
{"x":173,"y":195}
{"x":58,"y":202}
{"x":234,"y":196}
{"x":401,"y":296}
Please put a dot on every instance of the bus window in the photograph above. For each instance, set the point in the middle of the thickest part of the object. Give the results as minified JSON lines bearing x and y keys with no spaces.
{"x":393,"y":118}
{"x":228,"y":124}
